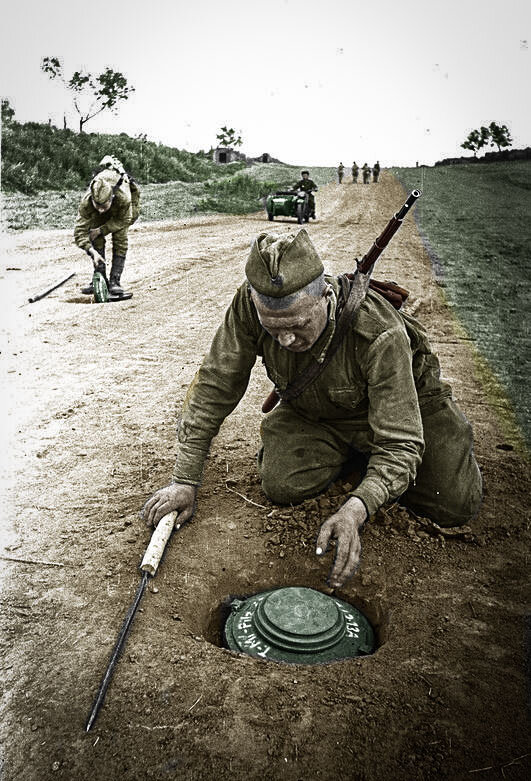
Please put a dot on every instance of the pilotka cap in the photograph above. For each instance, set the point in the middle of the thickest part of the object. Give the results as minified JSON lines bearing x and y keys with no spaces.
{"x":102,"y":186}
{"x":279,"y":265}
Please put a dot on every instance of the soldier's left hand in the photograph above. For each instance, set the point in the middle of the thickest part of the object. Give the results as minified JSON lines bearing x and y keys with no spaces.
{"x":344,"y":527}
{"x":94,"y":233}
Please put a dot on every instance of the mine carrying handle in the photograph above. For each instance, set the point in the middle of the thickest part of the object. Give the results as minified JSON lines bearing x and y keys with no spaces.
{"x":387,"y":234}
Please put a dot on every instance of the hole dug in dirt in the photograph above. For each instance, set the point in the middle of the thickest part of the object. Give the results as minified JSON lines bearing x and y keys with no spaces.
{"x":288,"y":615}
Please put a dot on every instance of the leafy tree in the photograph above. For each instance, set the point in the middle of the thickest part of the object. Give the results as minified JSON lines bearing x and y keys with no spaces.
{"x":227,"y":137}
{"x":476,"y":140}
{"x":8,"y":112}
{"x":90,"y":94}
{"x":500,"y":135}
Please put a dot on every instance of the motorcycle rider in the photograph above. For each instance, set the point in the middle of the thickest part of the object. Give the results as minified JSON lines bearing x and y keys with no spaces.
{"x":309,"y":186}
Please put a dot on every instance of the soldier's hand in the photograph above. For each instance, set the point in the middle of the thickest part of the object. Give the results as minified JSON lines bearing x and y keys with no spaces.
{"x":176,"y":496}
{"x":344,"y":527}
{"x":94,"y":233}
{"x":97,"y":258}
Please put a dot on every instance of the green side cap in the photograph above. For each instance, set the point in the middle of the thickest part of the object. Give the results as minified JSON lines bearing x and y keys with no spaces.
{"x":280,"y":264}
{"x":298,"y":625}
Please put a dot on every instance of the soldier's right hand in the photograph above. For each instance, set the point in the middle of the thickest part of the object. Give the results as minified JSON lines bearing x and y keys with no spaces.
{"x":176,"y":496}
{"x":96,"y":258}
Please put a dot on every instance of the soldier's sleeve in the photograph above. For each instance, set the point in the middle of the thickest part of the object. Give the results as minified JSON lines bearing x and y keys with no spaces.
{"x":216,"y":388}
{"x":394,"y":419}
{"x":82,"y":226}
{"x":121,"y":218}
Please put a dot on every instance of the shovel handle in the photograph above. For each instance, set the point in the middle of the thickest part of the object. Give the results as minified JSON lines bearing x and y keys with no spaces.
{"x":158,"y":541}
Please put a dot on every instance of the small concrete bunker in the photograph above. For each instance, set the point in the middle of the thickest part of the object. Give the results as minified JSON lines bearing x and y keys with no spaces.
{"x":298,"y":625}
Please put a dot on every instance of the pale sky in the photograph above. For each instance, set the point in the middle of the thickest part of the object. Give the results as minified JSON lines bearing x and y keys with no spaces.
{"x":312,"y":82}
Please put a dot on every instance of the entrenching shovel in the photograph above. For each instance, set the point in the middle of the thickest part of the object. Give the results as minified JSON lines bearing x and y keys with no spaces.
{"x":148,"y":567}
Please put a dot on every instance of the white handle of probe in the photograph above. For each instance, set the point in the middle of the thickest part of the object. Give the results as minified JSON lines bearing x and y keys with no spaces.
{"x":158,"y":541}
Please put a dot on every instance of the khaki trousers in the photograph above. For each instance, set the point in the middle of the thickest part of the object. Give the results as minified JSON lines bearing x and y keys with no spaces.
{"x":300,"y":457}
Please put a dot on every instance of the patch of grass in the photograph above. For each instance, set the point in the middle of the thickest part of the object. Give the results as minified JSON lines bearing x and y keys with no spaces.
{"x":245,"y":192}
{"x":240,"y":194}
{"x":475,"y":219}
{"x":278,"y":172}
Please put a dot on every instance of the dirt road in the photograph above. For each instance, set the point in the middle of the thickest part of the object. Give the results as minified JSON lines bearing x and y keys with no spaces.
{"x":92,"y":393}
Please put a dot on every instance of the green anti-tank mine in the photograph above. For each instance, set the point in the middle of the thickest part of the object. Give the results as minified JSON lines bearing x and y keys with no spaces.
{"x":298,"y":625}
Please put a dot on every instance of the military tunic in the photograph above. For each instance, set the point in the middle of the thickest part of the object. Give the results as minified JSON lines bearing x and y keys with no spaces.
{"x":378,"y":391}
{"x":116,"y":220}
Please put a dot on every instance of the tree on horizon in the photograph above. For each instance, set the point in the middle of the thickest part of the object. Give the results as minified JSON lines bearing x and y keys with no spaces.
{"x":98,"y":93}
{"x":227,"y":137}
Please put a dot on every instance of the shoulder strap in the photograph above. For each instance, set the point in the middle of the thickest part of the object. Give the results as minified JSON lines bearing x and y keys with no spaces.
{"x":354,"y":292}
{"x":354,"y":288}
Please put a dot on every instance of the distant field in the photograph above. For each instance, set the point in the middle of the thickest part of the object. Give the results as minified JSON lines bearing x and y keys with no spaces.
{"x":476,"y":220}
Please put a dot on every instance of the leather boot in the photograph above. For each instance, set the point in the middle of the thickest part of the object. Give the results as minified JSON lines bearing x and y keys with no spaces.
{"x":118,"y":263}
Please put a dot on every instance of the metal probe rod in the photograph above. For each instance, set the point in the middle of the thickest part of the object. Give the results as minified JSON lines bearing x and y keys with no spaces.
{"x":117,"y":651}
{"x":148,"y":567}
{"x":50,"y":289}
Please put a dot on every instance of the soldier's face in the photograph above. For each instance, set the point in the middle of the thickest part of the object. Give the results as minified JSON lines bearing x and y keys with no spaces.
{"x":102,"y":207}
{"x":298,"y":327}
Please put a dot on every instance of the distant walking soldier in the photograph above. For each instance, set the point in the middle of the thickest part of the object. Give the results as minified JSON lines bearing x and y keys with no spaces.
{"x":355,"y":172}
{"x":340,"y":170}
{"x":366,"y":171}
{"x":309,"y":186}
{"x":110,"y":206}
{"x":376,"y":171}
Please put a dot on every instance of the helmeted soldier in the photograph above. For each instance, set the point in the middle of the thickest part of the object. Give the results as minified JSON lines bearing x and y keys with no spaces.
{"x":380,"y":400}
{"x":308,"y":186}
{"x":366,"y":172}
{"x":340,"y":172}
{"x":110,"y":205}
{"x":355,"y":171}
{"x":376,"y":171}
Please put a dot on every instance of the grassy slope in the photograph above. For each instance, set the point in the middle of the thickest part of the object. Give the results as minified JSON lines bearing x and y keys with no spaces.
{"x":476,"y":221}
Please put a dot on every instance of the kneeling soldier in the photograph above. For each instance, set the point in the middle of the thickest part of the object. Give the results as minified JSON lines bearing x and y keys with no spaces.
{"x":380,"y":399}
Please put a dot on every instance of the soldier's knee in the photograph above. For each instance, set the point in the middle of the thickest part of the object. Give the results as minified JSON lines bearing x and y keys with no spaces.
{"x":461,"y":507}
{"x":456,"y":506}
{"x":281,"y":491}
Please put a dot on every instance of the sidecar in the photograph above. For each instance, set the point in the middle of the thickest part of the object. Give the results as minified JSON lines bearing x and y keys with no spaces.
{"x":288,"y":203}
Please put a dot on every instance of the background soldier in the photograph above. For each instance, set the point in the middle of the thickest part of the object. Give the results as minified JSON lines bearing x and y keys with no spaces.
{"x":110,"y":206}
{"x":381,"y":399}
{"x":309,"y":186}
{"x":366,"y":171}
{"x":376,"y":171}
{"x":340,"y":170}
{"x":355,"y":171}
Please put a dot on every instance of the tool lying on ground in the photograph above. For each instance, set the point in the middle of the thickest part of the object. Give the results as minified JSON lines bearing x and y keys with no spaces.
{"x":355,"y":287}
{"x":51,"y":289}
{"x":148,"y":567}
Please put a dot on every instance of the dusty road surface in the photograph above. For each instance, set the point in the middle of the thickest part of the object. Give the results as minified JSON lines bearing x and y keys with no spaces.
{"x":92,"y":394}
